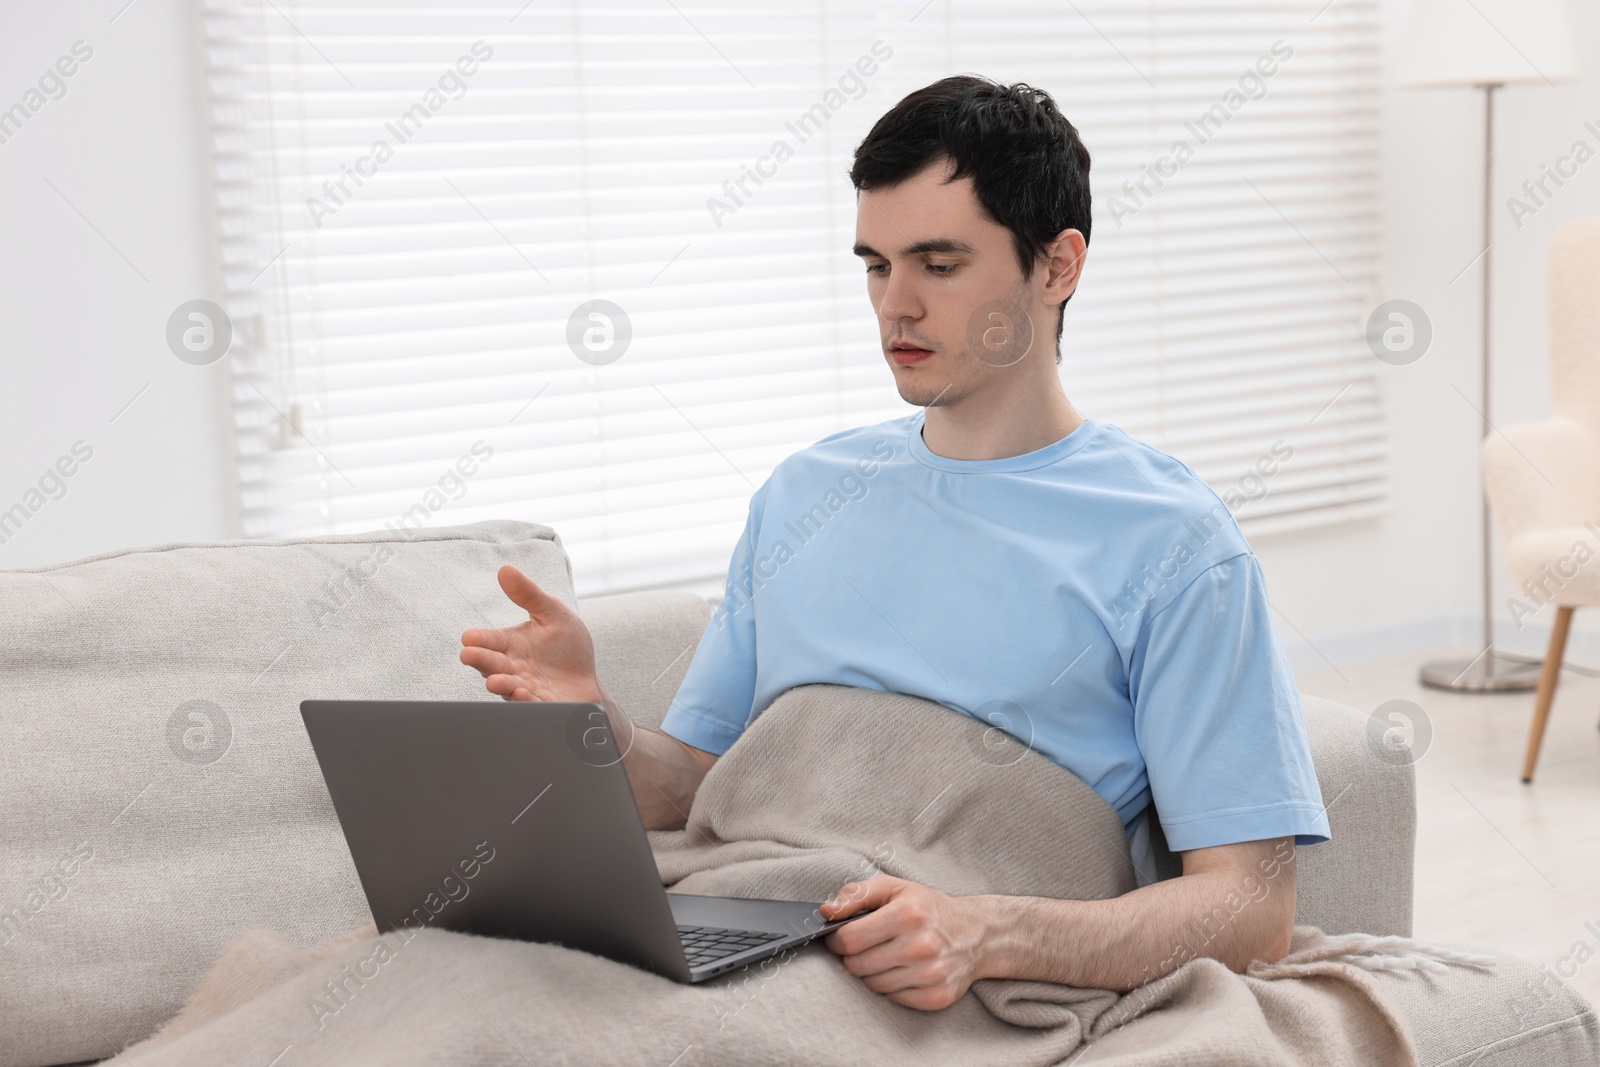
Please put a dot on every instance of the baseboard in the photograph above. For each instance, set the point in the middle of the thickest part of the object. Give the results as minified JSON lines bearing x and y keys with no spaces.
{"x":1425,"y":635}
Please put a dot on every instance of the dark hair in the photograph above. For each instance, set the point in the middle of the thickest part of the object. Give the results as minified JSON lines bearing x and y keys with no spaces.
{"x":1030,"y":170}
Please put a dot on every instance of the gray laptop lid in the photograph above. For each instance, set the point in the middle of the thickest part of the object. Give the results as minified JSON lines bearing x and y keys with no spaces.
{"x":533,"y":836}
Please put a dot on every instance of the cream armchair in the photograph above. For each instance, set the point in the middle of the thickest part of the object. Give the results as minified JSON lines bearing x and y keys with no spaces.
{"x":1543,"y":478}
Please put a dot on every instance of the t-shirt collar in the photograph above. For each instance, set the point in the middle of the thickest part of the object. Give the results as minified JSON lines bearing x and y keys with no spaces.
{"x":1027,"y":461}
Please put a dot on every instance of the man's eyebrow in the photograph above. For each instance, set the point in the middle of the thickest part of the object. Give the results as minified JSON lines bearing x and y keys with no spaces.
{"x":935,"y":245}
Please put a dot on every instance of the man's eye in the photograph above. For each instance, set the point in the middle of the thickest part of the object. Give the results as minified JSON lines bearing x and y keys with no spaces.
{"x":940,"y":269}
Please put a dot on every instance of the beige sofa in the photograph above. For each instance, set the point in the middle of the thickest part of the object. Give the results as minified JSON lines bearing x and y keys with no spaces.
{"x":158,"y":794}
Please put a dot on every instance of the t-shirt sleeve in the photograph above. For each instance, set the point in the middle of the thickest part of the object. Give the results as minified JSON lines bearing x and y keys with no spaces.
{"x":713,"y":703}
{"x":1217,"y":717}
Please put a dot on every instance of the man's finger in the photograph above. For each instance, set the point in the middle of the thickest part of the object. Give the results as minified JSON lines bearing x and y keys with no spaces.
{"x":508,"y":686}
{"x":526,"y":594}
{"x":893,"y":980}
{"x":482,"y":637}
{"x":856,"y":896}
{"x":859,"y":935}
{"x":884,"y":957}
{"x":485,"y":661}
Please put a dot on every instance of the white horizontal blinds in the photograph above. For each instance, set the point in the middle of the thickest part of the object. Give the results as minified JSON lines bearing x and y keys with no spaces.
{"x":590,"y":140}
{"x":1223,"y":310}
{"x":429,"y":309}
{"x":1266,"y":241}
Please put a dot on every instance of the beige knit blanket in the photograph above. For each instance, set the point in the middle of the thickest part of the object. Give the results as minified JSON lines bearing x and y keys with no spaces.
{"x":829,"y":785}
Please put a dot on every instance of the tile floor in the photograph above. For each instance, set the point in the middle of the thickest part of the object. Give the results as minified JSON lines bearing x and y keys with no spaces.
{"x":1499,"y":864}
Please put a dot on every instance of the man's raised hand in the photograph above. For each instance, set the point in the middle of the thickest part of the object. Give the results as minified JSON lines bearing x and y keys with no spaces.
{"x":550,"y":657}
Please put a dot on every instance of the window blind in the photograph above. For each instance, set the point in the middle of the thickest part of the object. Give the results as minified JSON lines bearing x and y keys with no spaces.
{"x":419,"y":205}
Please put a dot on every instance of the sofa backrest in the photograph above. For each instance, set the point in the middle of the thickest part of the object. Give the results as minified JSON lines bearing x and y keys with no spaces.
{"x":643,"y":643}
{"x":157,"y":790}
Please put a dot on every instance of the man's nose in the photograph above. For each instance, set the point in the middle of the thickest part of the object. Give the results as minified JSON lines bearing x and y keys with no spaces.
{"x":900,"y":299}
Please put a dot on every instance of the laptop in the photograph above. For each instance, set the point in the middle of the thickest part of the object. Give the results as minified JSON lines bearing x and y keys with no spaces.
{"x":516,"y":819}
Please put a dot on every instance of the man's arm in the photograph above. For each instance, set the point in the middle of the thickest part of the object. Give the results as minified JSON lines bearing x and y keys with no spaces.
{"x":1233,"y":903}
{"x":551,"y":658}
{"x":923,"y":948}
{"x":665,"y":773}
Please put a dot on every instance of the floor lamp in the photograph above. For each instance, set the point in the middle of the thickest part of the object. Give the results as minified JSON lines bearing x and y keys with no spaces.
{"x":1485,"y":44}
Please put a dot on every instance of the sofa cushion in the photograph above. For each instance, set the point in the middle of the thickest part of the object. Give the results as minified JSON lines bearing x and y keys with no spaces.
{"x":157,"y":789}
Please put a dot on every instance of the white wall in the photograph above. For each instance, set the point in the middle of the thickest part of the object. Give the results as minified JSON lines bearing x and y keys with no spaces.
{"x":81,"y":333}
{"x":1411,"y":578}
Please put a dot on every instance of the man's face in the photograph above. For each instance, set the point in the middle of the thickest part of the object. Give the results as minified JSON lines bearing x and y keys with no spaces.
{"x":954,"y":313}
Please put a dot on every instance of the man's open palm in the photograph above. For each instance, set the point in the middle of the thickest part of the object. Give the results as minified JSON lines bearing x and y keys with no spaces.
{"x":550,"y":657}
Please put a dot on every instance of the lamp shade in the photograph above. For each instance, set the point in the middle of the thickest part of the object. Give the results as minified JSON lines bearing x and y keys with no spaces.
{"x":1486,"y":42}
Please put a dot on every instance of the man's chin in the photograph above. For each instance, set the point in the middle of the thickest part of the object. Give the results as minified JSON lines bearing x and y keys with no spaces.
{"x":923,"y":393}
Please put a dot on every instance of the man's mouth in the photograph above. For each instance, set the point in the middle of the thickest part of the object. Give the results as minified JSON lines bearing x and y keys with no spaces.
{"x":906,"y":355}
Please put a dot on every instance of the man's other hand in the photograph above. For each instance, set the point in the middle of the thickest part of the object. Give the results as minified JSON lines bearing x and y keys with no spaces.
{"x":919,"y":947}
{"x":549,"y":658}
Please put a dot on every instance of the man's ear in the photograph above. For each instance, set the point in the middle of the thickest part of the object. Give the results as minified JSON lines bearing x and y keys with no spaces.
{"x":1063,"y":265}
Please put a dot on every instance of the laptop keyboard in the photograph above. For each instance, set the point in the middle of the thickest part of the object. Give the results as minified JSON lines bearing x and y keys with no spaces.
{"x":707,"y":944}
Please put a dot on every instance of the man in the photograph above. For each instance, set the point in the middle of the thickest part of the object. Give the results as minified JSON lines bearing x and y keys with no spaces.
{"x":994,"y":551}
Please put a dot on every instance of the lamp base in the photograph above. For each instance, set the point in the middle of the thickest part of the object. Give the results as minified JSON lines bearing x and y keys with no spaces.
{"x":1488,"y":673}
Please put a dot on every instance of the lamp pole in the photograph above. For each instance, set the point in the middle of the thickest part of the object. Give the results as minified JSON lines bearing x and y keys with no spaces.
{"x":1488,"y":671}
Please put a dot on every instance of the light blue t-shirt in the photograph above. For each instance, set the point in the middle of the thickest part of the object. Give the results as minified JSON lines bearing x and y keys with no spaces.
{"x":1093,"y":598}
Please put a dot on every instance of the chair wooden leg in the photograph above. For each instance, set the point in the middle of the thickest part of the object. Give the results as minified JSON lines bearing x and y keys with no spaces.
{"x":1549,"y":674}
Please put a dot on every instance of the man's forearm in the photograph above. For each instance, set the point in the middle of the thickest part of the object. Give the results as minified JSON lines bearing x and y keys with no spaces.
{"x":1133,"y":939}
{"x":664,"y":772}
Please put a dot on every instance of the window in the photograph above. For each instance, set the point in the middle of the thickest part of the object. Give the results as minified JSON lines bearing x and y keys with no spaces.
{"x":418,"y":205}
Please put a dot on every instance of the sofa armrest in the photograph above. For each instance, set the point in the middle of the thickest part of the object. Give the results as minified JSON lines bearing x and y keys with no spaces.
{"x":643,"y":645}
{"x":1361,"y":880}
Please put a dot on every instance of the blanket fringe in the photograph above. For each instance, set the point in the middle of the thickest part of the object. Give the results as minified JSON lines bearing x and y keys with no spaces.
{"x":1373,"y":953}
